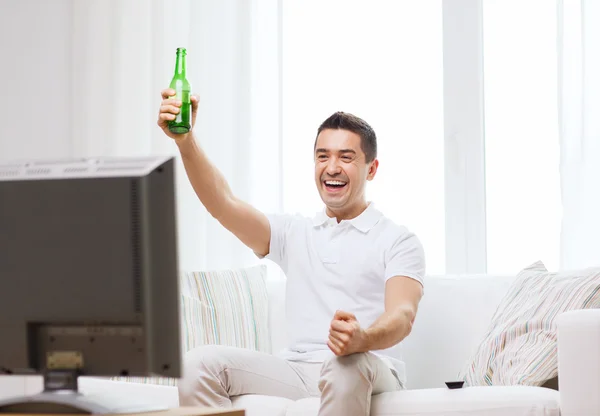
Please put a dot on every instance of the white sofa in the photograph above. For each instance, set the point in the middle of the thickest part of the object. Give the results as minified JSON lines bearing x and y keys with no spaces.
{"x":452,"y":318}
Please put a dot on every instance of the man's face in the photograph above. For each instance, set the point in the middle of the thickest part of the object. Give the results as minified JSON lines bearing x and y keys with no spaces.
{"x":341,"y":170}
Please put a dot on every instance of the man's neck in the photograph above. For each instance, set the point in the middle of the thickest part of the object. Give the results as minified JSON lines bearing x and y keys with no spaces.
{"x":347,"y":213}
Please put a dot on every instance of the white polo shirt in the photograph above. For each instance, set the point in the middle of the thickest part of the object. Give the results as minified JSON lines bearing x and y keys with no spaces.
{"x":345,"y":266}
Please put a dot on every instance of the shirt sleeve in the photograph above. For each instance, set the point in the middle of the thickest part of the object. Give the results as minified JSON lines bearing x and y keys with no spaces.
{"x":280,"y":225}
{"x":406,"y":257}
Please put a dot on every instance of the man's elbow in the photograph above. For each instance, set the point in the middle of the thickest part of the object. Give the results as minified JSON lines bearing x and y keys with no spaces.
{"x":409,"y":314}
{"x":223,"y":209}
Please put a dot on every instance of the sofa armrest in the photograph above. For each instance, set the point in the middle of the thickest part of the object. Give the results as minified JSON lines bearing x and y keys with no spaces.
{"x":579,"y":362}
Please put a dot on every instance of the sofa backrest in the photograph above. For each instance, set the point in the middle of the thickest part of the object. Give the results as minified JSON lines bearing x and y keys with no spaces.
{"x":453,"y":316}
{"x":452,"y":319}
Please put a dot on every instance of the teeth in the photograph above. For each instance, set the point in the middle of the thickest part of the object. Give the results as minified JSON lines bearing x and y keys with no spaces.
{"x":335,"y":183}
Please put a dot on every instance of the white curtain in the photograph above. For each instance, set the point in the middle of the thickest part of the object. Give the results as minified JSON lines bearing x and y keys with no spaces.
{"x":579,"y":115}
{"x":123,"y":54}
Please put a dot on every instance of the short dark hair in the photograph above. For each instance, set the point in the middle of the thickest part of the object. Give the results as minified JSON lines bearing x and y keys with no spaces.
{"x":347,"y":121}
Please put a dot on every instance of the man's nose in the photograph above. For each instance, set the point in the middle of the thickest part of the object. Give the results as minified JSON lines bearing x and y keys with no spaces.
{"x":333,"y":166}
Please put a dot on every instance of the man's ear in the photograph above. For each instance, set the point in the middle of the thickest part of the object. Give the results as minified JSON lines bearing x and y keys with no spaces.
{"x":372,"y":169}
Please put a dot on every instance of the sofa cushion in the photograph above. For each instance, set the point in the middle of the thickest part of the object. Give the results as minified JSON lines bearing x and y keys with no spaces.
{"x":226,"y":307}
{"x":223,"y":307}
{"x":259,"y":405}
{"x":453,"y":317}
{"x":520,"y":345}
{"x":469,"y":401}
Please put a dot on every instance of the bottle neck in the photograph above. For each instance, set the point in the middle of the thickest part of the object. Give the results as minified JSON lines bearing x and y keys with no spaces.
{"x":180,"y":64}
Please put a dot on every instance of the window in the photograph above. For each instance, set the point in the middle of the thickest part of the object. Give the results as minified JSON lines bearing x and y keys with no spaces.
{"x":382,"y":61}
{"x":521,"y":134}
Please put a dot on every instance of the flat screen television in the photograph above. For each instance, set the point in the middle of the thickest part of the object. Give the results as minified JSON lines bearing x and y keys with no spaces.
{"x":88,"y":275}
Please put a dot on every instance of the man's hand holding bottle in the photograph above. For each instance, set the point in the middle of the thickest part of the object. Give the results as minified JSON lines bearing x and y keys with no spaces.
{"x":169,"y":108}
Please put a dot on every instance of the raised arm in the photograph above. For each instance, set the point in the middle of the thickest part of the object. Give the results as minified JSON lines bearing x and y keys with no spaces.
{"x":246,"y":222}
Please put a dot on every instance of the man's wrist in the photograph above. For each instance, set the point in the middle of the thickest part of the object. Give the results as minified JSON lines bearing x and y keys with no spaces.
{"x":185,"y":141}
{"x":367,"y":340}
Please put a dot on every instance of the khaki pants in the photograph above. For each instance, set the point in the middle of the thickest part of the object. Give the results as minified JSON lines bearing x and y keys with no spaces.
{"x":213,"y":374}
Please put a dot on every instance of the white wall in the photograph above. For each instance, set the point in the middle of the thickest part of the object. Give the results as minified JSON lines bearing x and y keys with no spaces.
{"x":35,"y":73}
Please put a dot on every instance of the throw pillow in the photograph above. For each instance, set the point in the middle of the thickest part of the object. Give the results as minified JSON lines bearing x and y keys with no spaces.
{"x":225,"y":307}
{"x":228,"y":307}
{"x":520,"y":345}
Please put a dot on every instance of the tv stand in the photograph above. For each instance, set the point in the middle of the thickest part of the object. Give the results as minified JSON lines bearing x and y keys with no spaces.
{"x":62,"y":396}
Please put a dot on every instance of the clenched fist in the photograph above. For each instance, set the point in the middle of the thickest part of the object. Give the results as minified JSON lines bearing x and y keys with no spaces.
{"x":345,"y":334}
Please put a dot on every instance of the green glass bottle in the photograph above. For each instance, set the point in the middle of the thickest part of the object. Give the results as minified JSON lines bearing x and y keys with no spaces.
{"x":183,"y":122}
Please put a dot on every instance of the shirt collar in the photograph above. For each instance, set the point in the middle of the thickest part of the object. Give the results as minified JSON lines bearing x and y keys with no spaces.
{"x":364,"y":222}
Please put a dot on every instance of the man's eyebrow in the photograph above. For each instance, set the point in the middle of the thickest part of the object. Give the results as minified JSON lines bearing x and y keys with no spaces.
{"x":322,"y":150}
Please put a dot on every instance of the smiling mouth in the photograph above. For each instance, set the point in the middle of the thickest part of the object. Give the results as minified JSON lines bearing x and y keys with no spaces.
{"x":334,"y":185}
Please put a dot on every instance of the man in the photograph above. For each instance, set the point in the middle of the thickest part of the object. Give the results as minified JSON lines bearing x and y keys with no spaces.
{"x":354,"y":281}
